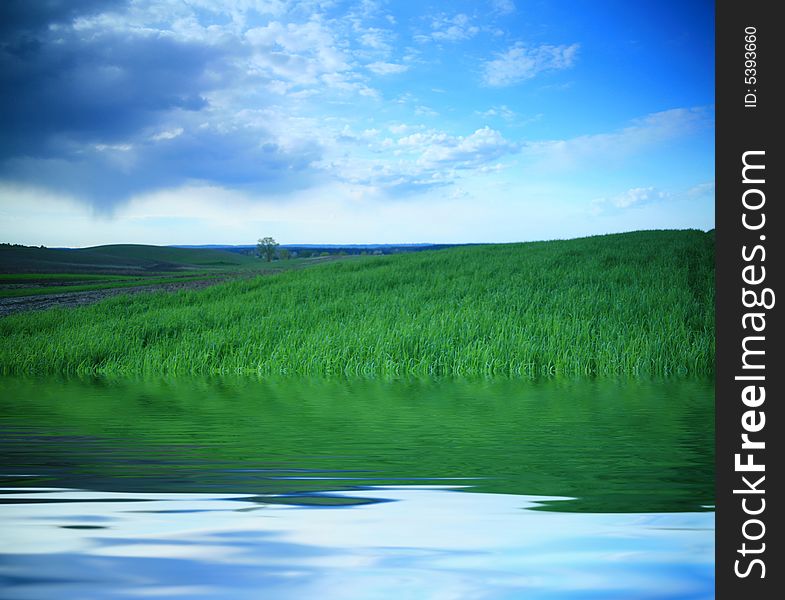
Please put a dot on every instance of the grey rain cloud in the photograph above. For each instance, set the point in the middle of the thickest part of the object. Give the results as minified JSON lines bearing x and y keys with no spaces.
{"x":82,"y":111}
{"x":22,"y":18}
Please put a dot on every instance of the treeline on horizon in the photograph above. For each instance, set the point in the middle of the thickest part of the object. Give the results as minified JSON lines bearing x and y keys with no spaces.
{"x":639,"y":303}
{"x":286,"y":251}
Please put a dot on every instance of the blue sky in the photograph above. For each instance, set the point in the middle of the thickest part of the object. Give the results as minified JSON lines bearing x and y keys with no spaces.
{"x":173,"y":122}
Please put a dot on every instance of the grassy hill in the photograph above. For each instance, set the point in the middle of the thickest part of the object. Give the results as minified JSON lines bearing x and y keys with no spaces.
{"x":119,"y":258}
{"x":180,"y":257}
{"x":631,"y":303}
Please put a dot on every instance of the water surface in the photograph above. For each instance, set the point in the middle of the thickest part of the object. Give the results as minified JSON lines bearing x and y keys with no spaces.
{"x":235,"y":488}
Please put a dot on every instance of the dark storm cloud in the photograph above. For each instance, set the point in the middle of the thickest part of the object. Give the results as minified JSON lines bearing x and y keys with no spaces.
{"x":92,"y":85}
{"x":245,"y":159}
{"x":100,"y":89}
{"x":21,"y":18}
{"x":81,"y":109}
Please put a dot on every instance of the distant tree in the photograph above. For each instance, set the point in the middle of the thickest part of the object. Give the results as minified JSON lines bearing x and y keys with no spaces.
{"x":266,"y":247}
{"x":284,"y":254}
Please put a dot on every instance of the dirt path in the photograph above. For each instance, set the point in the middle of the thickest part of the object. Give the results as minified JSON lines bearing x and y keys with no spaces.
{"x":70,"y":299}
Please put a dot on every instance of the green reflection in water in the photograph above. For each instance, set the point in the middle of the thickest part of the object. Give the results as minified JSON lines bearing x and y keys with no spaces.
{"x":613,"y":445}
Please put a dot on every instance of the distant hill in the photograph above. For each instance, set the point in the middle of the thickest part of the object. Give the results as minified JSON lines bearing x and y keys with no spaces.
{"x":333,"y":246}
{"x":115,"y":258}
{"x":316,"y":249}
{"x":141,"y":258}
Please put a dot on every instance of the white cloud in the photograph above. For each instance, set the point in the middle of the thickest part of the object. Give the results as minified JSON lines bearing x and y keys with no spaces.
{"x":503,"y":7}
{"x":598,"y":149}
{"x":450,"y":29}
{"x":632,"y":198}
{"x":422,"y":139}
{"x":347,"y":82}
{"x":296,"y":52}
{"x":425,"y":111}
{"x":385,"y":68}
{"x":502,"y":111}
{"x":399,"y":128}
{"x":167,"y":135}
{"x":701,"y":190}
{"x":482,"y":146}
{"x":369,"y":8}
{"x":405,"y":98}
{"x":423,"y":160}
{"x":377,"y":39}
{"x":520,"y":63}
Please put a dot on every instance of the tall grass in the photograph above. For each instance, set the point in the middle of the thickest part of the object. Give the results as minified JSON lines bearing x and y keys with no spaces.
{"x":636,"y":303}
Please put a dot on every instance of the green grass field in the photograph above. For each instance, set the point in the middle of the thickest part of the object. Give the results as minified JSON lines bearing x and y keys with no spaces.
{"x":635,"y":303}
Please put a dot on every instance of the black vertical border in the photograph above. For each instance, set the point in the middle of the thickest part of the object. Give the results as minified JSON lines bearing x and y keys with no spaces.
{"x":738,"y":129}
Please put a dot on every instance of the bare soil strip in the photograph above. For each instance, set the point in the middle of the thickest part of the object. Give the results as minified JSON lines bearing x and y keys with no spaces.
{"x":71,"y":299}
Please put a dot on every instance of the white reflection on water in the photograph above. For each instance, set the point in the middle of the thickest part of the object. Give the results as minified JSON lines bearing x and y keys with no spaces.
{"x":417,"y":542}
